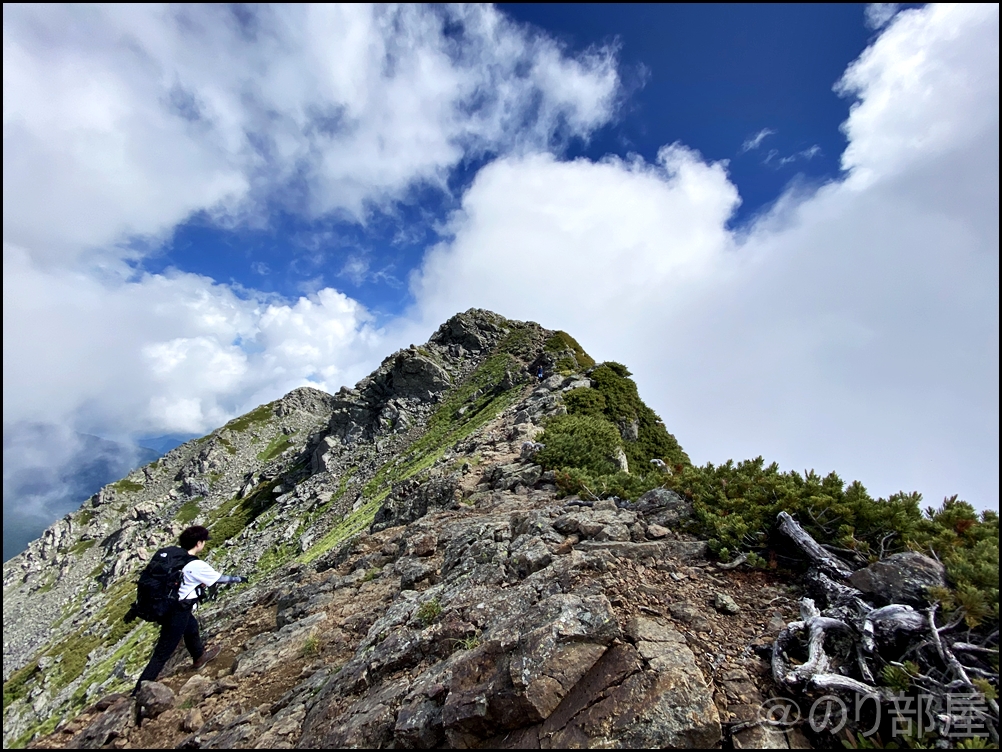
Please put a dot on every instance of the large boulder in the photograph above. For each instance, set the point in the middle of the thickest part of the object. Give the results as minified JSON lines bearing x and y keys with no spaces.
{"x":154,"y":698}
{"x":661,"y":506}
{"x":415,"y":375}
{"x":900,"y":578}
{"x":412,"y":500}
{"x":621,"y":705}
{"x":114,"y":717}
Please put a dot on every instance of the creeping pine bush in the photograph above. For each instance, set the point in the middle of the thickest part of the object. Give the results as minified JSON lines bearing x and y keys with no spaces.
{"x":575,"y":359}
{"x":580,"y":441}
{"x":735,"y":508}
{"x":581,"y":445}
{"x":624,"y":407}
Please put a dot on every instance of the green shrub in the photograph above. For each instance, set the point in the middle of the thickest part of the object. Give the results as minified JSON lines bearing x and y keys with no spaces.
{"x":735,"y":508}
{"x":429,"y":611}
{"x":624,"y":485}
{"x":585,"y":401}
{"x":582,"y":442}
{"x":623,"y":407}
{"x":563,"y":342}
{"x":311,"y":646}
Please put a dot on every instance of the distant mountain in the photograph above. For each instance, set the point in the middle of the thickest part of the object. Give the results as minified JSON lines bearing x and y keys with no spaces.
{"x":163,"y":444}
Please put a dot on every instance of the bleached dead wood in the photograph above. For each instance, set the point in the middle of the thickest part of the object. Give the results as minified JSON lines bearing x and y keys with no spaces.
{"x":820,"y":558}
{"x":845,"y":610}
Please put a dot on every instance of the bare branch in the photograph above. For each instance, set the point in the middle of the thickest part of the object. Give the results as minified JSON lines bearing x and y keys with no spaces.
{"x":822,"y":559}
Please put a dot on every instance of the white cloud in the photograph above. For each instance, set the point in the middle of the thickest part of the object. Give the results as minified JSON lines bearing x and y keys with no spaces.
{"x":122,"y":120}
{"x":753,"y":142}
{"x":855,"y":329}
{"x":878,"y":15}
{"x":164,"y":353}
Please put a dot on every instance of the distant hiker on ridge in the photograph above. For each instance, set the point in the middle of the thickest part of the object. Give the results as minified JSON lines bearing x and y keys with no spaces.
{"x":539,"y":373}
{"x":168,"y":591}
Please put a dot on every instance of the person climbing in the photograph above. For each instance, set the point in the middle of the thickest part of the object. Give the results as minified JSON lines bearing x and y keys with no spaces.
{"x":179,"y":620}
{"x":539,"y":373}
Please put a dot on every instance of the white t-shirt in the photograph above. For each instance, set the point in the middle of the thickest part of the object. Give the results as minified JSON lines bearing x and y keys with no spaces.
{"x":196,"y":573}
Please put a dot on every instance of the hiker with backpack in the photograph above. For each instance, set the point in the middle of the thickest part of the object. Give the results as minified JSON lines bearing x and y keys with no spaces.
{"x":168,"y":592}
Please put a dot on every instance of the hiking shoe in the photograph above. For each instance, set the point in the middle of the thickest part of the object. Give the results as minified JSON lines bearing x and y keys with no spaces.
{"x":207,"y":655}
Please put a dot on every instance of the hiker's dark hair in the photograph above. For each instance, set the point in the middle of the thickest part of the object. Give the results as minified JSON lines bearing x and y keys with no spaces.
{"x":191,"y":536}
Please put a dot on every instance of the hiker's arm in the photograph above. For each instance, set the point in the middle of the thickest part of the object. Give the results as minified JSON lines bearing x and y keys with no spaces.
{"x":228,"y":579}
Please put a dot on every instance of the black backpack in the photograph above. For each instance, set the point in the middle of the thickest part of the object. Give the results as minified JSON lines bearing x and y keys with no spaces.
{"x":158,"y":585}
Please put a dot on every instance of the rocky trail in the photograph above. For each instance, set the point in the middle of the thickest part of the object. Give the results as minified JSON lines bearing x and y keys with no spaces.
{"x":536,"y":637}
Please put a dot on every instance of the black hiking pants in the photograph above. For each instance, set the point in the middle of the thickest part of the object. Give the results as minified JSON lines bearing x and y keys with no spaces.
{"x":180,"y":624}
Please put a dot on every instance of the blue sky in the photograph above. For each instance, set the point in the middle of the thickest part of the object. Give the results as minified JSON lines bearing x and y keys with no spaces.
{"x":749,"y":84}
{"x":784,"y":219}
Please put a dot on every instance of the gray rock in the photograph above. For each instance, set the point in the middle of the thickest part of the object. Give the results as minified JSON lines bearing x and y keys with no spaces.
{"x":657,"y":532}
{"x":620,"y":704}
{"x":413,"y":570}
{"x":900,"y":578}
{"x":725,"y":604}
{"x":114,"y":721}
{"x":531,"y":557}
{"x":412,"y":500}
{"x":663,"y":507}
{"x":620,"y":460}
{"x":507,"y":477}
{"x":153,"y":699}
{"x":688,"y":614}
{"x":534,"y":659}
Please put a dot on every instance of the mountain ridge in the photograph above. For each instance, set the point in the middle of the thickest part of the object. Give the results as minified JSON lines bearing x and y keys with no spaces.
{"x":442,"y":555}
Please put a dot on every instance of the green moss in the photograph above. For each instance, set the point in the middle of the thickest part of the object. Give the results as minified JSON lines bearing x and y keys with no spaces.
{"x":518,"y":342}
{"x":82,"y":545}
{"x":273,"y":558}
{"x":445,"y":427}
{"x":188,"y":512}
{"x":227,"y":444}
{"x":43,"y":728}
{"x":275,"y":447}
{"x":85,"y":517}
{"x":234,"y":515}
{"x":350,"y":526}
{"x":17,"y":686}
{"x":126,"y":485}
{"x":75,"y":650}
{"x":255,"y":417}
